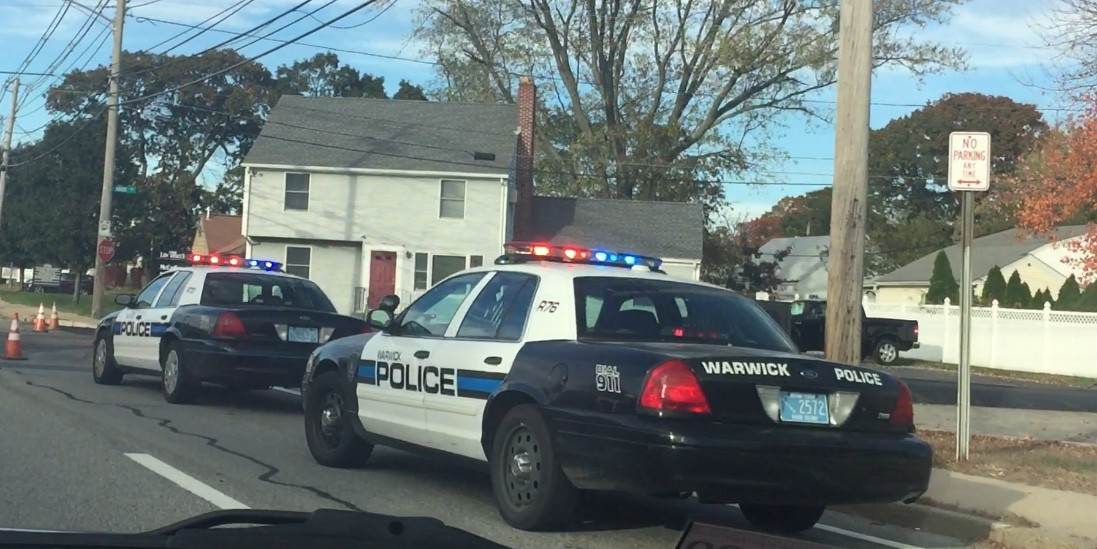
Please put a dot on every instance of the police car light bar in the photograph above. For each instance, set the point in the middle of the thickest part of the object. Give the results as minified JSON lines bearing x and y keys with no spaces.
{"x":215,"y":260}
{"x":527,"y":251}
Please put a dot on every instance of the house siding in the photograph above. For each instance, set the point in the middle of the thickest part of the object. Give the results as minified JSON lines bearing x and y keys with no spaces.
{"x":682,"y":268}
{"x":351,"y":214}
{"x":1037,"y":274}
{"x":910,"y":295}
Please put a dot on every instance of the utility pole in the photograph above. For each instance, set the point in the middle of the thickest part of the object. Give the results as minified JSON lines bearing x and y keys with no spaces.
{"x":850,"y":193}
{"x":104,"y":228}
{"x":7,"y":141}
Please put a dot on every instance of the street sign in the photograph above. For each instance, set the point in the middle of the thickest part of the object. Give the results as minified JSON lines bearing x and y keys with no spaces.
{"x":106,"y":249}
{"x":122,"y":189}
{"x":969,"y":161}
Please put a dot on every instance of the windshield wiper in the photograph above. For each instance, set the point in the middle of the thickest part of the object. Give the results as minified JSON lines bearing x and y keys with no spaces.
{"x":274,"y":529}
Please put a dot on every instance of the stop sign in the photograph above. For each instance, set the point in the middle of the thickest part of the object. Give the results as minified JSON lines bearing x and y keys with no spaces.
{"x":106,"y":249}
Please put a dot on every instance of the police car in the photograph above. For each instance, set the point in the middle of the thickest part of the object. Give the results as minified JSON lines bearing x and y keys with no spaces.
{"x":566,"y":369}
{"x":235,"y":321}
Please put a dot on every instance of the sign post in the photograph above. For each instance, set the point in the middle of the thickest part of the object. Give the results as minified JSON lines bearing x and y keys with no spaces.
{"x":968,"y":173}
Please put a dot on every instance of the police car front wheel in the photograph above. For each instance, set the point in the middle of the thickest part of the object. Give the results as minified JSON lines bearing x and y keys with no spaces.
{"x":328,"y":428}
{"x":531,"y":490}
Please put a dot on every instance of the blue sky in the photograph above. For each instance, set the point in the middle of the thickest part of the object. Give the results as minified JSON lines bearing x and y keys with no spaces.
{"x":1006,"y":56}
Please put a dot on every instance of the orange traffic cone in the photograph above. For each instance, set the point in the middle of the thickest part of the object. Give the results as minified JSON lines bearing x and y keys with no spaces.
{"x":55,"y":321}
{"x":14,"y":349}
{"x":40,"y":320}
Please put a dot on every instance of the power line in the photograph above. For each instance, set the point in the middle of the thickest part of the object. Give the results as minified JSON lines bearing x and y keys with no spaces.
{"x":69,"y":48}
{"x":239,"y":6}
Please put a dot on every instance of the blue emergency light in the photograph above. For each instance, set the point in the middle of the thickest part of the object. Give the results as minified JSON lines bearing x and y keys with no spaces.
{"x":529,"y":251}
{"x":216,"y":260}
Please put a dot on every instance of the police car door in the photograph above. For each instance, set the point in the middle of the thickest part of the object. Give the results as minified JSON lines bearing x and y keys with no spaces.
{"x":398,"y":366}
{"x":480,"y":350}
{"x":132,"y":326}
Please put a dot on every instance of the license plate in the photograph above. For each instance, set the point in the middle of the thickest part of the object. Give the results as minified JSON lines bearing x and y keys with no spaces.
{"x":303,"y":335}
{"x":804,"y":408}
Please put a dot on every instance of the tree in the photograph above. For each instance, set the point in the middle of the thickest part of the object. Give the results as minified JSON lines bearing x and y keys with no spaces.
{"x":942,"y":284}
{"x":1017,"y":293}
{"x":994,"y":287}
{"x":323,"y":76}
{"x":1073,"y":30}
{"x":1087,"y":301}
{"x":733,"y":262}
{"x":408,"y":91}
{"x":658,"y":100}
{"x":908,"y":170}
{"x":1069,"y":293}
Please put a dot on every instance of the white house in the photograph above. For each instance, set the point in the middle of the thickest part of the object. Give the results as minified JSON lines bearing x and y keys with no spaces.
{"x":1041,"y":262}
{"x":369,"y":197}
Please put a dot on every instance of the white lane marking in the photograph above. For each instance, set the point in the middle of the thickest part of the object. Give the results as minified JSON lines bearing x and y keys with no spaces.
{"x":285,"y":390}
{"x":857,"y":535}
{"x":187,"y":482}
{"x":865,"y":537}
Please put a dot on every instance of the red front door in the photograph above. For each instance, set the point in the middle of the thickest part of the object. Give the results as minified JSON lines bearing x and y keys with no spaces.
{"x":382,"y":277}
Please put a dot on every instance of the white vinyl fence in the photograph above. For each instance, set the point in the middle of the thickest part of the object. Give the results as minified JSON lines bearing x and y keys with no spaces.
{"x":1042,"y":341}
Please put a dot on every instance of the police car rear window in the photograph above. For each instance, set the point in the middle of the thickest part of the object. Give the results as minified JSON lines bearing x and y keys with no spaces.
{"x":634,"y":309}
{"x":243,"y":289}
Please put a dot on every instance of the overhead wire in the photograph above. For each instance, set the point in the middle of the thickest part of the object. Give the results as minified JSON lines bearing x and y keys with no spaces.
{"x":202,"y":30}
{"x":46,"y":35}
{"x":67,"y":50}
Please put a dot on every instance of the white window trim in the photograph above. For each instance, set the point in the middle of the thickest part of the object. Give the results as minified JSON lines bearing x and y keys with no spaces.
{"x":464,"y":198}
{"x":430,"y":265}
{"x":308,"y":194}
{"x":285,"y":257}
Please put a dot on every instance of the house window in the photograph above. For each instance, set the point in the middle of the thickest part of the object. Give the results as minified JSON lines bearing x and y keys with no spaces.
{"x":452,"y":199}
{"x":421,"y":275}
{"x":297,"y":191}
{"x":442,"y":266}
{"x":298,"y":261}
{"x":476,"y":261}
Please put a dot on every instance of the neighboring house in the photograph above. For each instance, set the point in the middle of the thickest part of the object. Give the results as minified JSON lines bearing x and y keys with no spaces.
{"x":219,"y":234}
{"x":369,"y":197}
{"x":803,"y":272}
{"x":671,"y":231}
{"x":1040,"y":261}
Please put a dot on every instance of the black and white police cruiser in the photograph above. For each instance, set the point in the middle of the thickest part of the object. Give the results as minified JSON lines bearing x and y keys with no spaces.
{"x":235,"y":321}
{"x":567,"y":369}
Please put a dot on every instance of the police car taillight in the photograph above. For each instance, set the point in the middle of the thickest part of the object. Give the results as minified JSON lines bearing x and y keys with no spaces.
{"x":229,"y":326}
{"x":903,"y":414}
{"x":672,"y":387}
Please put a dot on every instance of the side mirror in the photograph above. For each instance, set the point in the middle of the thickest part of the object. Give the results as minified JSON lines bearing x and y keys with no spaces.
{"x":389,"y":303}
{"x":124,"y":300}
{"x":379,"y":318}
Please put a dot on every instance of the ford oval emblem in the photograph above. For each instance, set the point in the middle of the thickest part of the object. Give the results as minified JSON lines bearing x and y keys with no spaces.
{"x":810,"y":374}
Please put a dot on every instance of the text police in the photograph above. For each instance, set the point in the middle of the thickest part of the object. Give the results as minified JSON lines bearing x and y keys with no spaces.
{"x":397,"y":375}
{"x":131,"y":328}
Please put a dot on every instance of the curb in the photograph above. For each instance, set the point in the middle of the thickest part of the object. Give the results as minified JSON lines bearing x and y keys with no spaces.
{"x":1021,"y":537}
{"x":920,"y":516}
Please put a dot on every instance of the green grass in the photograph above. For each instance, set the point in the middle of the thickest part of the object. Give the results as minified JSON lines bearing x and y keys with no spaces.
{"x":1070,"y":381}
{"x":64,"y":302}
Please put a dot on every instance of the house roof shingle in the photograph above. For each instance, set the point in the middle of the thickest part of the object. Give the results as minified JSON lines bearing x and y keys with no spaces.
{"x":223,"y":234}
{"x":1001,"y":249}
{"x":661,"y":229}
{"x":388,"y":134}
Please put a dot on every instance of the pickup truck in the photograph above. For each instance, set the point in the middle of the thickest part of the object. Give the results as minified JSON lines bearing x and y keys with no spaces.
{"x":881,"y":338}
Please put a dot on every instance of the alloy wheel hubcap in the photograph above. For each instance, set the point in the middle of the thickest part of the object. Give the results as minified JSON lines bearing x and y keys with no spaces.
{"x":171,"y":372}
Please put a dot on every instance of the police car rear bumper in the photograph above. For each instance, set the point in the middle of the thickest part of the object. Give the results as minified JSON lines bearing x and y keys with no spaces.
{"x":740,"y":464}
{"x":255,"y":365}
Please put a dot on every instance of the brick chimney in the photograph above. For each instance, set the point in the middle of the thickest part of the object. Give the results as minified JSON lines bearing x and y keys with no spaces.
{"x":523,"y":180}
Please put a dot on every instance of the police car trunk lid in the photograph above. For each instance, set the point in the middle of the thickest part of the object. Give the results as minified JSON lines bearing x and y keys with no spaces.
{"x":293,"y":326}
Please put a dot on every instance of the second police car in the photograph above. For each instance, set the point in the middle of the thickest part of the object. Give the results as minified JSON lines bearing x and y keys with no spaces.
{"x":567,"y":369}
{"x":230,"y":320}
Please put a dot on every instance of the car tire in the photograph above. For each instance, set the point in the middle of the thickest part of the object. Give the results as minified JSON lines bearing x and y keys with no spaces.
{"x":785,"y":519}
{"x":885,"y":352}
{"x":328,"y":430}
{"x":531,"y":491}
{"x":103,"y":368}
{"x":176,"y":380}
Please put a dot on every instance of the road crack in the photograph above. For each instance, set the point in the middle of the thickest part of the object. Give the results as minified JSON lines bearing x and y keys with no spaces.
{"x":212,"y":442}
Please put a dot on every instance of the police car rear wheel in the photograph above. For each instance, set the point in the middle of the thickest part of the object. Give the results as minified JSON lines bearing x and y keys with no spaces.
{"x":176,"y":381}
{"x":782,"y":518}
{"x":103,"y":369}
{"x":531,"y":491}
{"x":328,"y":430}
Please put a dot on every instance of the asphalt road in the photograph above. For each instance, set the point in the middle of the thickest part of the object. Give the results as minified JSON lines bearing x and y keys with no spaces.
{"x":80,"y":456}
{"x":939,"y":387}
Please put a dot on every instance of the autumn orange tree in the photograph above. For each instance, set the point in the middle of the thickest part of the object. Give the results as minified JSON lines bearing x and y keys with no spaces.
{"x":1056,"y":183}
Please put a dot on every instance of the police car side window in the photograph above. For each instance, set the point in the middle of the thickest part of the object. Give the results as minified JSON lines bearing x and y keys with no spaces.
{"x":144,"y":299}
{"x":432,"y":313}
{"x":500,"y":311}
{"x":170,"y":296}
